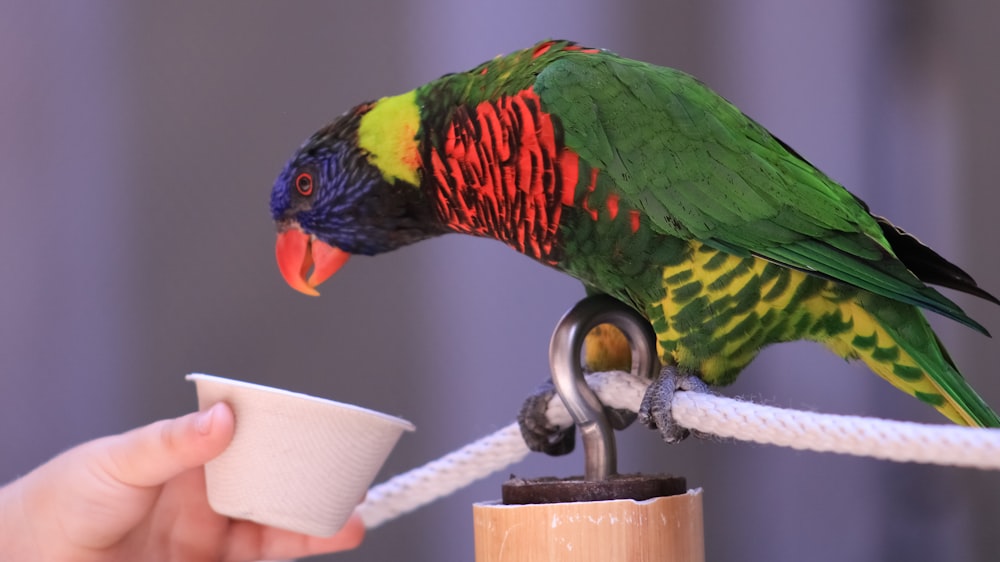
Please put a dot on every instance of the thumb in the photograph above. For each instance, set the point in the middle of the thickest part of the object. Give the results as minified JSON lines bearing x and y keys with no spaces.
{"x":153,"y":454}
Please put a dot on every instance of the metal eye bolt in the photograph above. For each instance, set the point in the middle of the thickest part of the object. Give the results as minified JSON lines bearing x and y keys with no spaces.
{"x":600,"y":454}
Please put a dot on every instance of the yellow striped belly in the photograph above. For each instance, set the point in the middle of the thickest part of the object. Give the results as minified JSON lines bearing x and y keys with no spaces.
{"x":719,"y":310}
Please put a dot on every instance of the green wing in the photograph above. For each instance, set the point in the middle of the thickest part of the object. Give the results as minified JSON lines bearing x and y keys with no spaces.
{"x":698,"y":168}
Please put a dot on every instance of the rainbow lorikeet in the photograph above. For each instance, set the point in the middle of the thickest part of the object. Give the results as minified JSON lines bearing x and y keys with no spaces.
{"x":647,"y":186}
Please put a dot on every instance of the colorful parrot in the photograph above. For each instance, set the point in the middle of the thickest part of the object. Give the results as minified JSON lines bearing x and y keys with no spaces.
{"x":645,"y":185}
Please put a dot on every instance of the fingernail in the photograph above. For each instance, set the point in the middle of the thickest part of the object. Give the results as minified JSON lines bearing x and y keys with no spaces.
{"x":203,"y":423}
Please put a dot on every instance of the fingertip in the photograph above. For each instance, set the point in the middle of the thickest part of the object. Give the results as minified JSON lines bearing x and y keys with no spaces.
{"x":352,"y":534}
{"x":349,"y":537}
{"x":219,"y":416}
{"x":274,"y":543}
{"x":216,"y":425}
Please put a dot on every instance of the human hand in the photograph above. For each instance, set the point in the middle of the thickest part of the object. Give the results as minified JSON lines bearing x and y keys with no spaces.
{"x":140,"y":495}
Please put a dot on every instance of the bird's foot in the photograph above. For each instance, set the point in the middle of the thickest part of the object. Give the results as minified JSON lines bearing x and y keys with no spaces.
{"x":655,"y":410}
{"x":542,"y":436}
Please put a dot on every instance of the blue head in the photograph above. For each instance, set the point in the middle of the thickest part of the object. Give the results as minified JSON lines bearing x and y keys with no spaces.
{"x":331,"y":201}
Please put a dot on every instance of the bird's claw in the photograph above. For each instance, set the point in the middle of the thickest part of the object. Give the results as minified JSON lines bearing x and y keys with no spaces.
{"x":538,"y":433}
{"x":542,"y":436}
{"x":620,"y":418}
{"x":655,"y":410}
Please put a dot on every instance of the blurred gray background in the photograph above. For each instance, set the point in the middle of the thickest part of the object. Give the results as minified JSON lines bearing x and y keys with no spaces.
{"x":138,"y":143}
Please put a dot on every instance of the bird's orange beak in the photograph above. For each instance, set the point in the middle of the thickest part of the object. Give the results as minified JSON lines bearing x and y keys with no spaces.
{"x":297,"y":252}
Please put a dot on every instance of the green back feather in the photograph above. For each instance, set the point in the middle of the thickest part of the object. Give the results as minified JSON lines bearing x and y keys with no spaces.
{"x":700,"y":169}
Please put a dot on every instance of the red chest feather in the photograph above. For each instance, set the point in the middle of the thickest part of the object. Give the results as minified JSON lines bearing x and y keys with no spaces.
{"x":503,"y":173}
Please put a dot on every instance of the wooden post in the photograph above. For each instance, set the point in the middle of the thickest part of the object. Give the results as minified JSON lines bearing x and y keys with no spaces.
{"x":662,"y":529}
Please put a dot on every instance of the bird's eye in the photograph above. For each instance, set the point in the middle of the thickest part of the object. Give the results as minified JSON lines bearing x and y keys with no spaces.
{"x":304,"y":184}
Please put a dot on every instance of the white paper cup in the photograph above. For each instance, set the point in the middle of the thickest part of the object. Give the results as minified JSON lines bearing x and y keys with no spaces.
{"x":296,"y":462}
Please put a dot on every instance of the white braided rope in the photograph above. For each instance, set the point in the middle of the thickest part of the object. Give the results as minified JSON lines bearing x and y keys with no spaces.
{"x":707,"y":413}
{"x":850,"y":435}
{"x":436,"y":479}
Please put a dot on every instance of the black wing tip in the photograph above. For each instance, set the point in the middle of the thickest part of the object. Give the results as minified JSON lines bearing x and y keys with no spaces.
{"x":979,"y":292}
{"x":928,"y":265}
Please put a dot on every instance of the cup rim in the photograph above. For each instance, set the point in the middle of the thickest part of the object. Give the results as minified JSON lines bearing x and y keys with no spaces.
{"x":402,"y":423}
